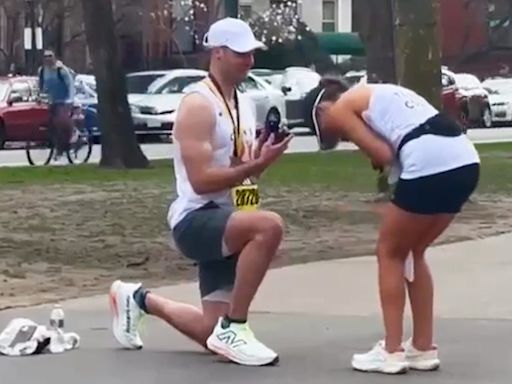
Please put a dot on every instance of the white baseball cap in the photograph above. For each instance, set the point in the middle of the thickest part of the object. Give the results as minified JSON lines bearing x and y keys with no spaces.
{"x":232,"y":33}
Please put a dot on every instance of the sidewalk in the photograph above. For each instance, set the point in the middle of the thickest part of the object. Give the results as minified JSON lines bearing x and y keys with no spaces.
{"x":473,"y":280}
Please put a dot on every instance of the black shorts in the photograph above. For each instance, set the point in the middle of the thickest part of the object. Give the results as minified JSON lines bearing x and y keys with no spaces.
{"x":444,"y":192}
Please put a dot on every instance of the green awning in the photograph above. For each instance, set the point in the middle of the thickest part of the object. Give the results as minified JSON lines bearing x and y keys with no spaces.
{"x":341,"y":43}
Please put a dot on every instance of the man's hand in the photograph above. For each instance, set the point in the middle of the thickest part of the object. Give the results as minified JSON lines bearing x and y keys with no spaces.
{"x":270,"y":152}
{"x":265,"y":136}
{"x":262,"y":138}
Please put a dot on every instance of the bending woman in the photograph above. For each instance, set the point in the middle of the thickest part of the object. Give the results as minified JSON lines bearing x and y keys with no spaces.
{"x":437,"y":168}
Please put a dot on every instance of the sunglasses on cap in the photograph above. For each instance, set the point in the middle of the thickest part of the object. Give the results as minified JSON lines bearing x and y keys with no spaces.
{"x":316,"y":123}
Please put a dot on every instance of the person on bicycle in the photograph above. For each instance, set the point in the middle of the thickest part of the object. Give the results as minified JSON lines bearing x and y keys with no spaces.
{"x":56,"y":81}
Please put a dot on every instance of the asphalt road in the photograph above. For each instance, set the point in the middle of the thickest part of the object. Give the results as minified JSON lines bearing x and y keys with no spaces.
{"x":301,"y":143}
{"x":314,"y":315}
{"x":313,"y":349}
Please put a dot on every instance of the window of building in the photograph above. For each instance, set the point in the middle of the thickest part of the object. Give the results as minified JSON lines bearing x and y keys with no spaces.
{"x":245,"y":11}
{"x":328,"y":15}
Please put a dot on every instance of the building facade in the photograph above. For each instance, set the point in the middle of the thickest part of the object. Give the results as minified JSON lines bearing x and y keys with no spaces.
{"x":158,"y":34}
{"x":319,"y":15}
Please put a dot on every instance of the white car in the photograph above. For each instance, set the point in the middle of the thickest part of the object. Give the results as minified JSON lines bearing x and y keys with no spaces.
{"x":155,"y":112}
{"x":294,"y":83}
{"x":500,"y":98}
{"x":269,"y":103}
{"x":139,"y":84}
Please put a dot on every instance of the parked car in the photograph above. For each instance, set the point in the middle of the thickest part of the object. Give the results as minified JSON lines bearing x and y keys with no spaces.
{"x":462,"y":98}
{"x":139,"y":84}
{"x":500,"y":98}
{"x":155,"y":112}
{"x":21,"y":115}
{"x":294,"y":83}
{"x":450,"y":99}
{"x":270,"y":76}
{"x":473,"y":100}
{"x":269,"y":103}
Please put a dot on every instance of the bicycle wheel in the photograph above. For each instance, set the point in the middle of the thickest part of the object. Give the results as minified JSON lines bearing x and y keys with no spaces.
{"x":81,"y":150}
{"x":38,"y":152}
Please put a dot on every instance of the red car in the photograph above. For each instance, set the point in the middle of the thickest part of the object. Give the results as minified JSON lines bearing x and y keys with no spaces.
{"x":22,"y":117}
{"x":469,"y":108}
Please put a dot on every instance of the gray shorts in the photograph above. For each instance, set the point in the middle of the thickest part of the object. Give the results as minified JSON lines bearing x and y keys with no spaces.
{"x":200,"y":237}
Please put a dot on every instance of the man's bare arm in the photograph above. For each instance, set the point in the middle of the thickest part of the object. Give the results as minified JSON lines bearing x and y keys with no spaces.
{"x":194,"y":131}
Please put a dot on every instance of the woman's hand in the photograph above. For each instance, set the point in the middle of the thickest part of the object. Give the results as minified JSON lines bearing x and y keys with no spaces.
{"x":377,"y":166}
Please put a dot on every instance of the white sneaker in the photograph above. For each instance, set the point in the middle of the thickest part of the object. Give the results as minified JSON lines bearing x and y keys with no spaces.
{"x":379,"y":360}
{"x":238,"y":344}
{"x":126,"y":314}
{"x":421,"y":360}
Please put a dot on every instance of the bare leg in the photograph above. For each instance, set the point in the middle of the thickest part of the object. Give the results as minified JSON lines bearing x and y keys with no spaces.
{"x":421,"y":290}
{"x":421,"y":297}
{"x":399,"y":234}
{"x":185,"y":318}
{"x":392,"y":297}
{"x":265,"y":231}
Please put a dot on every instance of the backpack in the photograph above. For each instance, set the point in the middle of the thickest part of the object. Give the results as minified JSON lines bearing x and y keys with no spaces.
{"x":41,"y":76}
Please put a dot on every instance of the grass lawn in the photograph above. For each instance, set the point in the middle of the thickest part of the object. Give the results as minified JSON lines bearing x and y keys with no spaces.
{"x":69,"y":231}
{"x":348,"y":171}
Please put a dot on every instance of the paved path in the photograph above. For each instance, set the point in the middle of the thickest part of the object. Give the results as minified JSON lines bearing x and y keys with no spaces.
{"x":300,"y":143}
{"x":315,"y":315}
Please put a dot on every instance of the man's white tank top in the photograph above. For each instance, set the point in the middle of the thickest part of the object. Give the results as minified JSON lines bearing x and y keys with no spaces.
{"x":394,"y":111}
{"x":223,"y":144}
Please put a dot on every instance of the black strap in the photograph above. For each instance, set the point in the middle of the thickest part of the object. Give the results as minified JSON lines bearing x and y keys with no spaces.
{"x":236,"y":125}
{"x":439,"y":125}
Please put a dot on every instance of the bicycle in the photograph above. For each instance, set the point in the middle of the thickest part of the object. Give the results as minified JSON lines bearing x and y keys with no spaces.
{"x":42,"y":150}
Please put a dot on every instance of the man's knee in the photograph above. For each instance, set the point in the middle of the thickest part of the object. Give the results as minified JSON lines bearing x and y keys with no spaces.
{"x":271,"y":225}
{"x":243,"y":227}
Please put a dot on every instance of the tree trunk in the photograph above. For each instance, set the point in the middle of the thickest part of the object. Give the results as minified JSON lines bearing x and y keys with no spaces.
{"x":417,"y":52}
{"x":119,"y":148}
{"x":373,"y":19}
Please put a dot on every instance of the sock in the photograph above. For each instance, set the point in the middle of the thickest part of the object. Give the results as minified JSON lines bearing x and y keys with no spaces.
{"x":140,"y":298}
{"x":226,"y":321}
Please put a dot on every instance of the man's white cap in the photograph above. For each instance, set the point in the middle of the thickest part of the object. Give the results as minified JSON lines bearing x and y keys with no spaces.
{"x":232,"y":33}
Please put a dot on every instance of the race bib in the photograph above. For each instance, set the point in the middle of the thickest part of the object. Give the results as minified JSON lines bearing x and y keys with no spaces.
{"x":246,"y":197}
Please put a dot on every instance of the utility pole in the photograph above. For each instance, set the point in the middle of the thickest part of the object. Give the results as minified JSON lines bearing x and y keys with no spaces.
{"x":417,"y":48}
{"x":231,"y":8}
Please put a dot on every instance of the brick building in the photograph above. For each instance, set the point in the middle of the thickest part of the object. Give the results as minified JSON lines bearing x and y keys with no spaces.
{"x":155,"y":34}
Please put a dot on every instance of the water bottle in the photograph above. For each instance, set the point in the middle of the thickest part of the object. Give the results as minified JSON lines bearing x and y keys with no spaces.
{"x":57,"y":317}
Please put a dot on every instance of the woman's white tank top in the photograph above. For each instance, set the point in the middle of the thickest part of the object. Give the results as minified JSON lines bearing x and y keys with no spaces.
{"x":394,"y":111}
{"x":187,"y":199}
